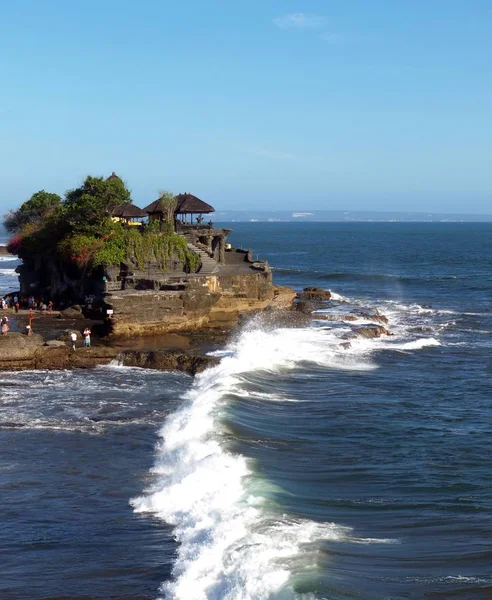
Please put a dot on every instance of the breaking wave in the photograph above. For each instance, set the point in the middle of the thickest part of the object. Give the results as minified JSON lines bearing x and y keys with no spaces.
{"x":235,"y":543}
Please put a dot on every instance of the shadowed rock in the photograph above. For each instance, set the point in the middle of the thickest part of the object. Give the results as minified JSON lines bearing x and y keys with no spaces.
{"x":72,"y":312}
{"x":303,"y":306}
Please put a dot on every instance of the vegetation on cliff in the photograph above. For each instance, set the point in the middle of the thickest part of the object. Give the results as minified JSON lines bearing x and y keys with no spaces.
{"x":78,"y":229}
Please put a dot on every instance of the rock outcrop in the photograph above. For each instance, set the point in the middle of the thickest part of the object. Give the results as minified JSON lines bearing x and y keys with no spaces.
{"x":303,"y":306}
{"x":207,"y":301}
{"x":72,"y":312}
{"x":340,"y":318}
{"x":371,"y":314}
{"x":314,"y":293}
{"x":369,"y":332}
{"x":167,"y":360}
{"x":19,"y":352}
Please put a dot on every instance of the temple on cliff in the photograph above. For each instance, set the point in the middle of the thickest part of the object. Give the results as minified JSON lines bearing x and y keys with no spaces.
{"x":149,"y":297}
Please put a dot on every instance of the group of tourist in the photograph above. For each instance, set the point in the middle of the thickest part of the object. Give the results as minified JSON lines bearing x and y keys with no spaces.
{"x":86,"y":334}
{"x":15,"y":302}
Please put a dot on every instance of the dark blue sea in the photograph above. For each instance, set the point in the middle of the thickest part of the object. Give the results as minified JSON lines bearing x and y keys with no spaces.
{"x":302,"y":467}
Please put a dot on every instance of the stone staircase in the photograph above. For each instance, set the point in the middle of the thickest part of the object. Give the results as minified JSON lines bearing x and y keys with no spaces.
{"x":112,"y":286}
{"x":209,"y":264}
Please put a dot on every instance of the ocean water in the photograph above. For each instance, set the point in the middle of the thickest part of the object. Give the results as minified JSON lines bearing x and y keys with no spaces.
{"x":305,"y":466}
{"x":9,"y":281}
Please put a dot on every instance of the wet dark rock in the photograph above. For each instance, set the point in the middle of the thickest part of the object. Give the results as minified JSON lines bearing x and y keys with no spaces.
{"x":168,"y":360}
{"x":340,"y":318}
{"x":314,"y":293}
{"x":19,"y":352}
{"x":421,"y":329}
{"x":371,"y":314}
{"x":369,"y":332}
{"x":65,"y":358}
{"x":303,"y":306}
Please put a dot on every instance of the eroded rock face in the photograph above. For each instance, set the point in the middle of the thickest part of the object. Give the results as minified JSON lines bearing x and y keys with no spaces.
{"x":54,"y":279}
{"x":209,"y":301}
{"x":314,"y":293}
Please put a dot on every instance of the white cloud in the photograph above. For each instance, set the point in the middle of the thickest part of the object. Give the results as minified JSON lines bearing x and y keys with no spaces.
{"x":300,"y":21}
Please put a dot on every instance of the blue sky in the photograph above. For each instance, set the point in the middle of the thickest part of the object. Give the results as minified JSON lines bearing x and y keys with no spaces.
{"x":341,"y":104}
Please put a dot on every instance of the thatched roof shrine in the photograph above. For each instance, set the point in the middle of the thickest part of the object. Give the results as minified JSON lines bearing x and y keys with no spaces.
{"x":155,"y":208}
{"x":127,"y":210}
{"x":186,"y":204}
{"x":189,"y":204}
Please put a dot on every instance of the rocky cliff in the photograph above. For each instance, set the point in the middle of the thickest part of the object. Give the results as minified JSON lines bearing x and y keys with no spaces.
{"x":193,"y":303}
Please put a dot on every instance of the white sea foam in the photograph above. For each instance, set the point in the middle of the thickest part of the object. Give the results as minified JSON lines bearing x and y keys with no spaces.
{"x":415,"y":344}
{"x":467,"y":314}
{"x":8,"y":272}
{"x":10,"y":258}
{"x":338,"y":297}
{"x":233,"y":544}
{"x":267,"y":396}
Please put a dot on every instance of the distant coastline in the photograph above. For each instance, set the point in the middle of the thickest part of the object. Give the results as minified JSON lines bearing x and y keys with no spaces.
{"x":346,"y":216}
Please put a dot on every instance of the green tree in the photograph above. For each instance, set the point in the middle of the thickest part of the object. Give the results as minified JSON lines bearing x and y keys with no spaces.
{"x":87,"y":206}
{"x":35,"y":211}
{"x":167,"y":203}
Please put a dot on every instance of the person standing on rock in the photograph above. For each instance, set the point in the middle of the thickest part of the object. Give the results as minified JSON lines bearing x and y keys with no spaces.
{"x":87,"y":337}
{"x":4,"y":324}
{"x":73,"y":338}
